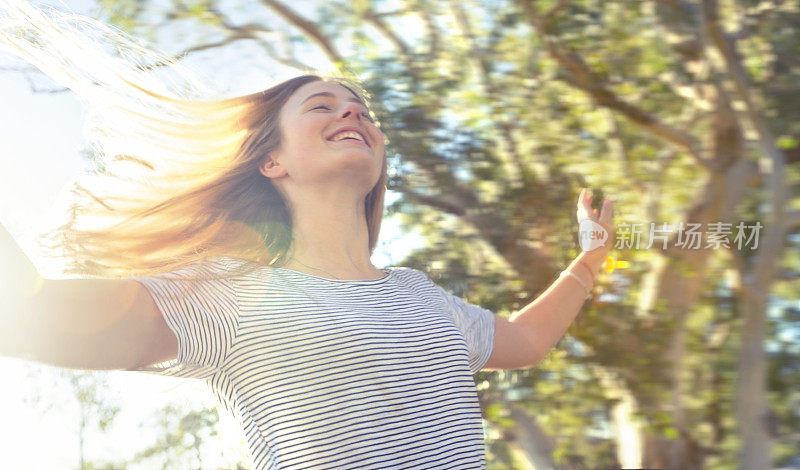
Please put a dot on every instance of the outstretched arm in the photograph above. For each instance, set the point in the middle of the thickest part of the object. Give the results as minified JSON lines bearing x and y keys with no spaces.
{"x":525,"y":339}
{"x":77,"y":323}
{"x":19,"y":281}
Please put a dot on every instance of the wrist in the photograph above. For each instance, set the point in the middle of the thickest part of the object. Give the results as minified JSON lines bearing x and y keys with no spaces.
{"x":591,"y":261}
{"x":580,"y":274}
{"x":587,"y":289}
{"x":585,"y":268}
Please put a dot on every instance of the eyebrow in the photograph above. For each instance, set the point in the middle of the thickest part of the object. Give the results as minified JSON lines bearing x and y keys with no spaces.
{"x":329,"y":94}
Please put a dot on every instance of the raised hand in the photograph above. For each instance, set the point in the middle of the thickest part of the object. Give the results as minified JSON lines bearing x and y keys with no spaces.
{"x":605,"y":218}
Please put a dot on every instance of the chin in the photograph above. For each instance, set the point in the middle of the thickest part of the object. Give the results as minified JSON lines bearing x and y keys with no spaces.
{"x":356,"y":173}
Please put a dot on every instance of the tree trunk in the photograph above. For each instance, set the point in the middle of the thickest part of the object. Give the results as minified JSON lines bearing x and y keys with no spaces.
{"x":531,"y":439}
{"x":679,"y":278}
{"x":752,"y":412}
{"x":81,"y":439}
{"x":627,"y":430}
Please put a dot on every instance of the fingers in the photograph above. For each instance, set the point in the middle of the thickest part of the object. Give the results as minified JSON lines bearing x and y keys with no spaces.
{"x":604,"y":216}
{"x":585,"y":210}
{"x":607,"y":211}
{"x":585,"y":199}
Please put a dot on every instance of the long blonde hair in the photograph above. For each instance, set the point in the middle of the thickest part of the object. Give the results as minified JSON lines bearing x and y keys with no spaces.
{"x":179,"y":180}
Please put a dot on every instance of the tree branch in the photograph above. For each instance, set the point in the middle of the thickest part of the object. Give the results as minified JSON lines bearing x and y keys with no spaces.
{"x":580,"y":76}
{"x":773,"y":161}
{"x":253,"y":31}
{"x":26,"y":72}
{"x":733,"y":68}
{"x":681,"y":34}
{"x":753,"y":19}
{"x":433,"y":34}
{"x":383,"y":27}
{"x":441,"y":202}
{"x":308,"y":27}
{"x":504,"y":128}
{"x":556,"y":10}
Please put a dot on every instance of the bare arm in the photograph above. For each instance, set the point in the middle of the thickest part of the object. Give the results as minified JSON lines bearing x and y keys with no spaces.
{"x":523,"y":340}
{"x":77,"y":323}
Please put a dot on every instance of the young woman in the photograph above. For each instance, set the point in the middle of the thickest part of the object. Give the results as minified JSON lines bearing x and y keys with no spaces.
{"x":229,"y":240}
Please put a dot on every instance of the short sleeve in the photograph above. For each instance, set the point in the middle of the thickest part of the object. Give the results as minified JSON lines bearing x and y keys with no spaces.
{"x":475,"y":323}
{"x":202,"y":313}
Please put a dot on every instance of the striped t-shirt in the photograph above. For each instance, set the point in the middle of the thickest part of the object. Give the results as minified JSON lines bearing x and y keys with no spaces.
{"x":334,"y":374}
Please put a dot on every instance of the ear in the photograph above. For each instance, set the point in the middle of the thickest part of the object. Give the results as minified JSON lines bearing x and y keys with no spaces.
{"x":271,"y":168}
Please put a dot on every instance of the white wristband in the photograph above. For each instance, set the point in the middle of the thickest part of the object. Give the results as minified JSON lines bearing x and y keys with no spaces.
{"x":570,"y":273}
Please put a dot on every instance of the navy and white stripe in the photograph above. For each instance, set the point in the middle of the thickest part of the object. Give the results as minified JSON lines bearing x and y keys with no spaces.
{"x":335,"y":374}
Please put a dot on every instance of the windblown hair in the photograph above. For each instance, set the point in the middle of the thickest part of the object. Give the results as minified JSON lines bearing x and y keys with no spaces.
{"x":179,"y":180}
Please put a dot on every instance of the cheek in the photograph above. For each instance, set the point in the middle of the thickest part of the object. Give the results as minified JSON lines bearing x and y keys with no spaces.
{"x":309,"y":134}
{"x":377,"y":137}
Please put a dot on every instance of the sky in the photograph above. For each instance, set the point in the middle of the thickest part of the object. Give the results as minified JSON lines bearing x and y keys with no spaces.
{"x":40,"y":139}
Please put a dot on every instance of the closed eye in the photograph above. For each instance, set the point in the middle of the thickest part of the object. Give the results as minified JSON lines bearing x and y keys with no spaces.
{"x":363,"y":113}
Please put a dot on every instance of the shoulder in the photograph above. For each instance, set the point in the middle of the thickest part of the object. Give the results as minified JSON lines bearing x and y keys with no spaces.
{"x":415,"y":279}
{"x":212,"y":270}
{"x":406,"y":272}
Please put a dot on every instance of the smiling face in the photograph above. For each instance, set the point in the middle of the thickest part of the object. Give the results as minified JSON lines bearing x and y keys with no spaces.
{"x":307,"y":155}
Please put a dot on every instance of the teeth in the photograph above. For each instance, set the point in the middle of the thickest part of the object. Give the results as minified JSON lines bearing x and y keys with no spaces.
{"x":345,"y":134}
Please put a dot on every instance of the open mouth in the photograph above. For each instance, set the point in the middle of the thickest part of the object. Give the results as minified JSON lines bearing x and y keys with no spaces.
{"x":349,"y":134}
{"x":352,"y":140}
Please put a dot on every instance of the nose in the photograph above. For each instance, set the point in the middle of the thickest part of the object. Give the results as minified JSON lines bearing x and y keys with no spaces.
{"x":352,"y":108}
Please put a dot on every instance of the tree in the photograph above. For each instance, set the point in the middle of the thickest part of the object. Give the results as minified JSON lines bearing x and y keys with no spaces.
{"x":184,"y":433}
{"x":496,"y":110}
{"x":96,"y":409}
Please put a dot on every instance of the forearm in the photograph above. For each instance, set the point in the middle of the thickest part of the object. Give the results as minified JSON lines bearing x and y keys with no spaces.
{"x":19,"y":281}
{"x":550,"y":314}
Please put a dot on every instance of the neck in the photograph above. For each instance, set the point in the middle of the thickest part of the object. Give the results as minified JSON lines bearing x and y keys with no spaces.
{"x":330,"y":237}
